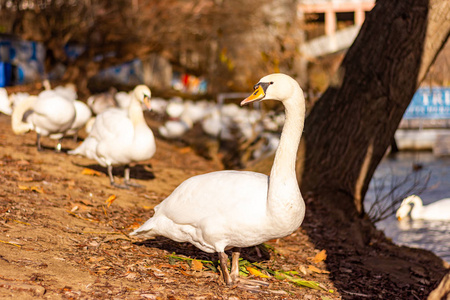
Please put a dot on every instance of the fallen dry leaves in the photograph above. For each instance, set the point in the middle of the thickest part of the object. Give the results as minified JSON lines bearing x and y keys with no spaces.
{"x":321,"y":256}
{"x":32,"y":188}
{"x":197,"y":265}
{"x":317,"y":270}
{"x":87,"y":171}
{"x":110,"y":200}
{"x":256,"y":272}
{"x":40,"y":223}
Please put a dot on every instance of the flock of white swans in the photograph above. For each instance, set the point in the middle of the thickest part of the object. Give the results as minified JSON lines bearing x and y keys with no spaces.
{"x":233,"y":209}
{"x":220,"y":121}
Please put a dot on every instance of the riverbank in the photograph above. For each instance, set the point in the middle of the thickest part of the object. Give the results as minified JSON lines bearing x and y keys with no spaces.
{"x":64,"y":234}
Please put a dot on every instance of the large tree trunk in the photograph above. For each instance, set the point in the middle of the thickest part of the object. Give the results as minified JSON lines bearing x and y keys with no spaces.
{"x":351,"y":126}
{"x":442,"y":292}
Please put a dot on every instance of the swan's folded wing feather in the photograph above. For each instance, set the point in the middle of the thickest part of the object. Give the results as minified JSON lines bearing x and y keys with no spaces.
{"x":112,"y":124}
{"x":217,"y":194}
{"x":439,"y":210}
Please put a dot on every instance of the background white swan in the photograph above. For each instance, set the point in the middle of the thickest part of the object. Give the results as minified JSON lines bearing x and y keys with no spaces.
{"x":83,"y":115}
{"x":120,"y":137}
{"x":99,"y":103}
{"x":18,"y":97}
{"x":412,"y":205}
{"x":83,"y":112}
{"x":48,"y":114}
{"x":232,"y":209}
{"x":5,"y":102}
{"x":175,"y":127}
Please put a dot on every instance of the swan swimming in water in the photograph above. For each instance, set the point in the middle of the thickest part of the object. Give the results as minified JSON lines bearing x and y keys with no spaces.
{"x":439,"y":210}
{"x":232,"y":209}
{"x":120,"y":137}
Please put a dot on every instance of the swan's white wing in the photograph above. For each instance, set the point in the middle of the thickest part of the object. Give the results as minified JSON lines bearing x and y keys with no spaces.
{"x":83,"y":114}
{"x":217,"y":194}
{"x":439,"y":210}
{"x":53,"y":114}
{"x":112,"y":124}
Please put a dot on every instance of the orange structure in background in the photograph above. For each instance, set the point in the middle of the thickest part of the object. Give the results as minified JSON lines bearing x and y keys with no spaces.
{"x":331,"y":7}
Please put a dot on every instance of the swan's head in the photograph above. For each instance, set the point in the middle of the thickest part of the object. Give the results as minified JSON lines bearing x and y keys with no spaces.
{"x":142,"y":93}
{"x":276,"y":86}
{"x":406,"y":207}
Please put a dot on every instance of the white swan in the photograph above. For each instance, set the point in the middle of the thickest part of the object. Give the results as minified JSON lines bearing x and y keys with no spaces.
{"x":18,"y":97}
{"x":439,"y":210}
{"x":5,"y":102}
{"x":217,"y":125}
{"x":123,"y":99}
{"x":68,"y":91}
{"x":232,"y":209}
{"x":176,"y":126}
{"x":120,"y":137}
{"x":99,"y":103}
{"x":83,"y":115}
{"x":159,"y":105}
{"x":83,"y":112}
{"x":48,"y":114}
{"x":173,"y":129}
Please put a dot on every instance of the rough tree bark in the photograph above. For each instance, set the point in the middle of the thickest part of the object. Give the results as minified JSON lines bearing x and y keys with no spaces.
{"x":351,"y":126}
{"x":442,"y":292}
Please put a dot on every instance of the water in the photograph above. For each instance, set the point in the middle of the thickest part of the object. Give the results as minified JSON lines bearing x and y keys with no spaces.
{"x":395,"y":178}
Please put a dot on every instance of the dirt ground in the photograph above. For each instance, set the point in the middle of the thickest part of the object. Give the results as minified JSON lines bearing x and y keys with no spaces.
{"x":64,"y":234}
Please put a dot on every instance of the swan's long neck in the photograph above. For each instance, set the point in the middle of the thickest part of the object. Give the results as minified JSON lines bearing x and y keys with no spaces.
{"x":135,"y":112}
{"x":286,"y":154}
{"x":283,"y":184}
{"x":416,"y":210}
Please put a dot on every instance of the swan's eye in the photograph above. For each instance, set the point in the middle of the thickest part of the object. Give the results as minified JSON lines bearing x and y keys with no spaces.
{"x":271,"y":82}
{"x":255,"y":86}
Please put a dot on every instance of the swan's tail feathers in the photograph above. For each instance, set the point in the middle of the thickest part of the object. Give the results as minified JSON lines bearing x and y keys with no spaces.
{"x":145,"y":230}
{"x":76,"y":151}
{"x":20,"y":114}
{"x":86,"y":148}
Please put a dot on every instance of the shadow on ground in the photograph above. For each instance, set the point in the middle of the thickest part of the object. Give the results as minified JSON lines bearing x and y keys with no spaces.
{"x":370,"y":266}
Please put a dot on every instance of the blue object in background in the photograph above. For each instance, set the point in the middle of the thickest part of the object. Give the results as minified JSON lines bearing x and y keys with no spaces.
{"x":429,"y":103}
{"x":5,"y":74}
{"x":22,"y":61}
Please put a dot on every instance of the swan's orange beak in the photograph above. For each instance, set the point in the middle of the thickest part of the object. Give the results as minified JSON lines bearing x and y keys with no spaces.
{"x":147,"y":102}
{"x":399,"y":218}
{"x":258,"y":94}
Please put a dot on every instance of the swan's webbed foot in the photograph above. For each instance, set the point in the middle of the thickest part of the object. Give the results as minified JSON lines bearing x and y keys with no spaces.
{"x":127,"y":179}
{"x":233,"y":278}
{"x":120,"y":186}
{"x":133,"y":184}
{"x":112,"y":182}
{"x":251,"y":284}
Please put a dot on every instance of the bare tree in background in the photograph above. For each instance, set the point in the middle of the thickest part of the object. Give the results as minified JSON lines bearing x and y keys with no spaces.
{"x":218,"y":39}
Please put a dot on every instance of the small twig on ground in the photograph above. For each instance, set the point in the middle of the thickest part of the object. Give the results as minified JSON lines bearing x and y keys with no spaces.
{"x":9,"y":243}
